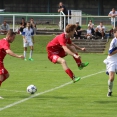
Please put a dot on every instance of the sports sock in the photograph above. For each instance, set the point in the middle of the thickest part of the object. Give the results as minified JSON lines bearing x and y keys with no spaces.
{"x":110,"y":86}
{"x":78,"y":61}
{"x":31,"y":52}
{"x":24,"y":54}
{"x":70,"y":73}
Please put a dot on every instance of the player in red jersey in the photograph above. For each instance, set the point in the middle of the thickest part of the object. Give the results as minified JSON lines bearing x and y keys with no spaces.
{"x":5,"y":49}
{"x":60,"y":46}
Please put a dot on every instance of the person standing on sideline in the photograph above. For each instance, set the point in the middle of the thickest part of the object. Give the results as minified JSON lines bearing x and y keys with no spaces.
{"x":22,"y":25}
{"x":113,"y":15}
{"x":65,"y":11}
{"x":5,"y":49}
{"x":111,"y":63}
{"x":60,"y":46}
{"x":33,"y":25}
{"x":28,"y":40}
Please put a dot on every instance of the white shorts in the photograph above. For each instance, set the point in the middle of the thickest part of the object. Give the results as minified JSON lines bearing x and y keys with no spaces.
{"x":110,"y":66}
{"x":28,"y":43}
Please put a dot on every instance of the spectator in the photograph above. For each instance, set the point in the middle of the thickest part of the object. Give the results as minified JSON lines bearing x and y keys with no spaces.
{"x":33,"y":25}
{"x":22,"y":25}
{"x":78,"y":31}
{"x":100,"y":30}
{"x":4,"y":28}
{"x":92,"y":27}
{"x":113,"y":15}
{"x":89,"y":33}
{"x":64,"y":10}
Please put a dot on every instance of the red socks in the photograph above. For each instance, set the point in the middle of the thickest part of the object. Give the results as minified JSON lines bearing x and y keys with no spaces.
{"x":70,"y":73}
{"x":78,"y":61}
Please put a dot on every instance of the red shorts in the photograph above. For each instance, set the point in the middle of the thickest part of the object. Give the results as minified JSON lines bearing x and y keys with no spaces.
{"x":3,"y":71}
{"x":53,"y":56}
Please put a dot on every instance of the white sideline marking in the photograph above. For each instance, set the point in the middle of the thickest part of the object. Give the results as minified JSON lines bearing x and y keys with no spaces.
{"x":12,"y":90}
{"x":35,"y":95}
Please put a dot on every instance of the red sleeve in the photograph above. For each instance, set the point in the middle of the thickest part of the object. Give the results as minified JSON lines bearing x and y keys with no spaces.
{"x":62,"y":40}
{"x":6,"y":45}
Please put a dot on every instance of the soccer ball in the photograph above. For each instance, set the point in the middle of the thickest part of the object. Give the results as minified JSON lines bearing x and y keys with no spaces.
{"x":31,"y":89}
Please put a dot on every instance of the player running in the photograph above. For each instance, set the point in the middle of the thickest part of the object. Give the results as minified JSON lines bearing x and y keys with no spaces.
{"x":28,"y":40}
{"x":60,"y":46}
{"x":111,"y":63}
{"x":5,"y":49}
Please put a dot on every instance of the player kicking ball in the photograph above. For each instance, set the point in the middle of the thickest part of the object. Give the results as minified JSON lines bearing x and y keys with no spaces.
{"x":61,"y":46}
{"x":111,"y":63}
{"x":5,"y":49}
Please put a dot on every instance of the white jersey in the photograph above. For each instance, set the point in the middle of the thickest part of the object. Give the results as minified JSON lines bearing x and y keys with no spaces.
{"x":88,"y":31}
{"x":101,"y":27}
{"x":28,"y":33}
{"x":113,"y":47}
{"x":111,"y":13}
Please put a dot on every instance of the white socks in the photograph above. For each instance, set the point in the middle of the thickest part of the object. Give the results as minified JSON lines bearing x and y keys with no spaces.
{"x":31,"y":52}
{"x":25,"y":54}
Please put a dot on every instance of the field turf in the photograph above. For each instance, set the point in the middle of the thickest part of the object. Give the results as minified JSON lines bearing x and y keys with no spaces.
{"x":57,"y":96}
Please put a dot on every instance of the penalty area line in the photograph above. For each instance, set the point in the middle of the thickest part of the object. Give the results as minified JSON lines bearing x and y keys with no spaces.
{"x":50,"y":90}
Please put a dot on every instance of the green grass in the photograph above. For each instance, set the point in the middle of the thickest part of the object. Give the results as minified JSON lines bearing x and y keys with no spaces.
{"x":86,"y":98}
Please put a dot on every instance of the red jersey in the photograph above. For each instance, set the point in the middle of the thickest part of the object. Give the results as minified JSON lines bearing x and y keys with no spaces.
{"x":4,"y":45}
{"x":59,"y":41}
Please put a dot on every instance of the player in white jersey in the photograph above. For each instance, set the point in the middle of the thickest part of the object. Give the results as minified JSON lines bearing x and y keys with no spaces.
{"x":111,"y":63}
{"x":28,"y":40}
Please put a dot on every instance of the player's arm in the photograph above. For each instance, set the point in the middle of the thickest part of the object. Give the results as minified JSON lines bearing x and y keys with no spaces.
{"x":70,"y":52}
{"x":24,"y":37}
{"x":11,"y":53}
{"x":114,"y":52}
{"x":77,"y":47}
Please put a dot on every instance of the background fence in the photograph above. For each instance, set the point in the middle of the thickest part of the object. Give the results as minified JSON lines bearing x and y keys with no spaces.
{"x":51,"y":20}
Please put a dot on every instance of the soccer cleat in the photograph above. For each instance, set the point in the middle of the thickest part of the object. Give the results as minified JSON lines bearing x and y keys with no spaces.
{"x":30,"y":59}
{"x":25,"y":59}
{"x":83,"y":65}
{"x":75,"y":79}
{"x":109,"y":94}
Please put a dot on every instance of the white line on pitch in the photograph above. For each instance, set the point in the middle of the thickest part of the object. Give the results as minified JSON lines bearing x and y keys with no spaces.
{"x":23,"y":100}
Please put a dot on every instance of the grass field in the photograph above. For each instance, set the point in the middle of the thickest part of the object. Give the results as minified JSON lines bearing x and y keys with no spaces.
{"x":57,"y":96}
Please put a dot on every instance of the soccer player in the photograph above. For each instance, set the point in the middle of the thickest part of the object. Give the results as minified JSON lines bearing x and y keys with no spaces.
{"x":5,"y":49}
{"x":111,"y":63}
{"x":60,"y":46}
{"x":28,"y":40}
